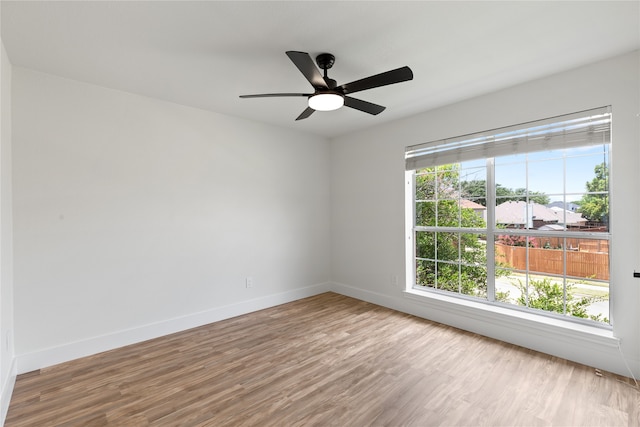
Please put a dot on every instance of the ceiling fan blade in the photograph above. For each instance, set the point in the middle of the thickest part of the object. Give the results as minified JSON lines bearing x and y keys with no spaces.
{"x":365,"y":106}
{"x":305,"y":64}
{"x":306,"y":113}
{"x":268,"y":95}
{"x":390,"y":77}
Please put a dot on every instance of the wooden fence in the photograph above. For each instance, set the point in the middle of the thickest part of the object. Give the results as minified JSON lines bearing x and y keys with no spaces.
{"x":582,"y":245}
{"x":580,"y":264}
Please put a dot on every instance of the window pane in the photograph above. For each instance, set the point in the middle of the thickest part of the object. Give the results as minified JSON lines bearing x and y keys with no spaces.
{"x":473,"y":183}
{"x":447,"y":182}
{"x":425,"y":214}
{"x":448,"y":214}
{"x":448,"y":277}
{"x":425,"y":185}
{"x":472,"y":214}
{"x":545,"y":177}
{"x":478,"y":164}
{"x":581,"y":169}
{"x":473,"y":194}
{"x":448,"y":246}
{"x":473,"y":280}
{"x":546,"y":258}
{"x":425,"y":273}
{"x":547,"y":293}
{"x":588,"y":259}
{"x":588,"y":182}
{"x":513,"y":212}
{"x":473,"y":173}
{"x":473,"y":249}
{"x":505,"y":289}
{"x":510,"y":173}
{"x":594,"y":210}
{"x":425,"y":245}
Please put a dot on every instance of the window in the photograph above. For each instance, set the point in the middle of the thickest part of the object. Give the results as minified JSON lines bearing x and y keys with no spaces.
{"x":517,"y":216}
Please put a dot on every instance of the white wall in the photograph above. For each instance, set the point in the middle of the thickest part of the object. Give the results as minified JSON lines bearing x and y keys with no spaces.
{"x":7,"y":366}
{"x":367,"y":199}
{"x":135,"y":217}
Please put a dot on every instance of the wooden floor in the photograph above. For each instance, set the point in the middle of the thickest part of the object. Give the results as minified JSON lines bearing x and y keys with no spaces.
{"x":327,"y":360}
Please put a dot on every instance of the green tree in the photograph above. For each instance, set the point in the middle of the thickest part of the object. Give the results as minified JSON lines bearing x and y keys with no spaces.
{"x":476,"y":191}
{"x":534,"y":196}
{"x":458,"y":259}
{"x":595,"y":206}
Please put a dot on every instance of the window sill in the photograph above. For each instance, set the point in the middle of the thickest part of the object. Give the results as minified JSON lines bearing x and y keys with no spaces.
{"x":515,"y":320}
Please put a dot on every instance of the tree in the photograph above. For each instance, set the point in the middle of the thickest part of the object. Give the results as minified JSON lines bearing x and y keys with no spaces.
{"x":534,"y":196}
{"x":549,"y":296}
{"x":595,"y":206}
{"x":476,"y":190}
{"x":457,"y":259}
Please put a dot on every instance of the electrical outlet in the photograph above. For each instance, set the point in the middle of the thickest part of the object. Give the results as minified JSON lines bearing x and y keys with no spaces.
{"x":394,"y":280}
{"x":249,"y":282}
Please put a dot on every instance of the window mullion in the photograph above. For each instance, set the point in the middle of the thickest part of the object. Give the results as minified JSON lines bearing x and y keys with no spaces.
{"x":491,"y":203}
{"x":564,"y":275}
{"x":411,"y":236}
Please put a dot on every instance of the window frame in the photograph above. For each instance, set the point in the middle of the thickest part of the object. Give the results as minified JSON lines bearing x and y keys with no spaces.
{"x":491,"y":232}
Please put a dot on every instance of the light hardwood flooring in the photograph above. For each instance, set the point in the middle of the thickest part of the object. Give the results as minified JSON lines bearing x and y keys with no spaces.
{"x":327,"y":360}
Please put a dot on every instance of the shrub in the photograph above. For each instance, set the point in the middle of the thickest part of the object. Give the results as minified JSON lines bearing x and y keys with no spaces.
{"x":550,"y":296}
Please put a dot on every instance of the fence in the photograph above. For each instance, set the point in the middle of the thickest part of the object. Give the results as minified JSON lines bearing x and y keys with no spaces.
{"x":582,"y":245}
{"x":580,"y":264}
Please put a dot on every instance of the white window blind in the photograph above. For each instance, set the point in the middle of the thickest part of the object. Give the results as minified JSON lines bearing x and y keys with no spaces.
{"x":571,"y":130}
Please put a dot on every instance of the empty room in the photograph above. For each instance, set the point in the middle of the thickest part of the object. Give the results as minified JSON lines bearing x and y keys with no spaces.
{"x":281,"y":213}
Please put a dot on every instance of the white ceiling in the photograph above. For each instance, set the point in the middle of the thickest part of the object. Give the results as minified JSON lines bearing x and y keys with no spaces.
{"x":206,"y":53}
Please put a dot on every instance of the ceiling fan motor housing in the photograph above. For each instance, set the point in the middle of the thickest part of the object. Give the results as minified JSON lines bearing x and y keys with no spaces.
{"x":325,"y":61}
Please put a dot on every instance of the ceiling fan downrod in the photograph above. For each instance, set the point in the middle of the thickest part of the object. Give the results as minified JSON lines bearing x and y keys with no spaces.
{"x":326,"y":61}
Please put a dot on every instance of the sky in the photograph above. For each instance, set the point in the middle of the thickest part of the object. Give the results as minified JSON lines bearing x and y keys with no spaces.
{"x":546,"y":171}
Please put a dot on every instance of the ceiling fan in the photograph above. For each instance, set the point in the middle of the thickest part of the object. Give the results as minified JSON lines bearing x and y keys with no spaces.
{"x":327,"y":94}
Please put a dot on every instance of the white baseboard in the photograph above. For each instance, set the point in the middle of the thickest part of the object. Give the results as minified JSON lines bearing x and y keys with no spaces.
{"x":595,"y":350}
{"x":7,"y":391}
{"x":586,"y":345}
{"x":66,"y":352}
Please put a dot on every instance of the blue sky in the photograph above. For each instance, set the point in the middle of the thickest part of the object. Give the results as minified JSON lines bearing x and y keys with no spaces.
{"x":545,"y":171}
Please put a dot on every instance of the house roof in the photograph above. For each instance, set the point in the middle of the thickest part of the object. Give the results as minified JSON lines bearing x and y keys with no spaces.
{"x":568,"y":217}
{"x":464,"y":203}
{"x":515,"y":213}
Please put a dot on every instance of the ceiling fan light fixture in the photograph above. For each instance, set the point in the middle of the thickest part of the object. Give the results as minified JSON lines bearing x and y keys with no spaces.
{"x":328,"y":95}
{"x":326,"y":101}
